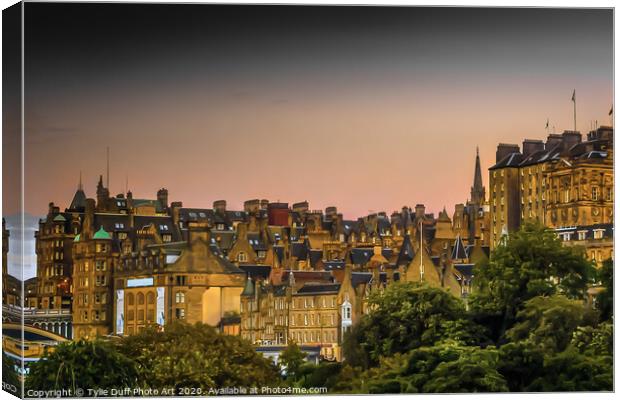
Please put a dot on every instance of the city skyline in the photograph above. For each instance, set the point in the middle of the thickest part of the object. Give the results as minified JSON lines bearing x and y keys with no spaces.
{"x":337,"y":106}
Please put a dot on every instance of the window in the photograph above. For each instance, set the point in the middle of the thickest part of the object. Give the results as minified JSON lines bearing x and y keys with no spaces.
{"x":150,"y":298}
{"x":242,"y":257}
{"x":180,"y":313}
{"x":609,"y":194}
{"x":130,"y":299}
{"x":84,"y":315}
{"x":140,"y":298}
{"x":306,"y":319}
{"x":181,"y":280}
{"x":167,"y":238}
{"x":100,"y":265}
{"x":595,"y":193}
{"x":582,"y":235}
{"x":180,"y":297}
{"x":598,"y":233}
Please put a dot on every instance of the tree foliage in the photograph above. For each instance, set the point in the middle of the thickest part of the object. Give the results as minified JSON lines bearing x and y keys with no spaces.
{"x":83,"y":364}
{"x":548,"y":322}
{"x":528,"y":328}
{"x":605,"y":299}
{"x":197,"y":356}
{"x":406,"y":316}
{"x":291,"y":359}
{"x":532,"y":262}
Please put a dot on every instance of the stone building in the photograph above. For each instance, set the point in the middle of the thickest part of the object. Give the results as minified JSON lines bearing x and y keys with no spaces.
{"x":120,"y":263}
{"x":563,"y":183}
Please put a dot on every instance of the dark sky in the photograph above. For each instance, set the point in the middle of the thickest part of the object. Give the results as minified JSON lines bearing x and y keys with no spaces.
{"x":365,"y":108}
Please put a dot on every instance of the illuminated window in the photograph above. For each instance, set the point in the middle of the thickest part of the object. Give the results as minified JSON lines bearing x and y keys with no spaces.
{"x":180,"y":297}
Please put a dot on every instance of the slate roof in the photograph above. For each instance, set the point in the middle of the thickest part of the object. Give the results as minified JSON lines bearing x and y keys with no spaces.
{"x":358,"y":278}
{"x":406,"y":252}
{"x":361,"y":255}
{"x":608,"y":231}
{"x":79,"y":201}
{"x":256,"y":242}
{"x":256,"y":271}
{"x":310,"y":288}
{"x":511,"y":160}
{"x":467,"y":270}
{"x":331,"y":265}
{"x":458,"y":251}
{"x":299,"y":250}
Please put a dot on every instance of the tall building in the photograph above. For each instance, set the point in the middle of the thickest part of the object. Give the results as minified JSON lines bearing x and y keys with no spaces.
{"x":563,"y":183}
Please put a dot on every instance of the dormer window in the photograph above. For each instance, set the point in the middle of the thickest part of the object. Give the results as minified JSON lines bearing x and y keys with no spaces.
{"x":242,"y":257}
{"x":220,"y":227}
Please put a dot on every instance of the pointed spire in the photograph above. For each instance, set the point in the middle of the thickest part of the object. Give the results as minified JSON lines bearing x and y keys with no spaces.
{"x":80,"y":187}
{"x":477,"y":190}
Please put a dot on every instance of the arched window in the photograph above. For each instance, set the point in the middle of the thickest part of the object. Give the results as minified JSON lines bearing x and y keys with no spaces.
{"x":130,"y":299}
{"x":180,"y":297}
{"x":150,"y":298}
{"x":140,"y":298}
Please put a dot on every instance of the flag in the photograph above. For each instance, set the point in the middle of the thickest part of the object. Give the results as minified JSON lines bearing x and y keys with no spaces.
{"x":611,"y":110}
{"x":573,"y":99}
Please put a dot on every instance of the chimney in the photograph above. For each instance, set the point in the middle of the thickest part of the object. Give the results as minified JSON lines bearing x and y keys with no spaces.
{"x":219,"y":206}
{"x":251,"y":206}
{"x":419,"y":211}
{"x":301,"y":207}
{"x":162,"y":198}
{"x":503,"y":149}
{"x":570,"y":138}
{"x":176,"y":211}
{"x":331,"y":212}
{"x":553,"y":140}
{"x":531,"y":146}
{"x":199,"y":230}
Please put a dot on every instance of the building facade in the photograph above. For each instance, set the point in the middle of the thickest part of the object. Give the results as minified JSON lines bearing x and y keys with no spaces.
{"x":564,"y":183}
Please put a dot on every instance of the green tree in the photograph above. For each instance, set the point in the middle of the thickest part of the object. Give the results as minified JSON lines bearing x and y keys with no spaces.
{"x":573,"y":371}
{"x":595,"y":341}
{"x":406,"y":316}
{"x":532,"y":262}
{"x":520,"y":364}
{"x":197,"y":356}
{"x":291,"y":360}
{"x":605,"y":299}
{"x":83,"y":364}
{"x":548,"y":322}
{"x":443,"y":368}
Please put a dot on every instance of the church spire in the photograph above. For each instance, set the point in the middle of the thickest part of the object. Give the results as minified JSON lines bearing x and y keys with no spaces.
{"x":477,"y":190}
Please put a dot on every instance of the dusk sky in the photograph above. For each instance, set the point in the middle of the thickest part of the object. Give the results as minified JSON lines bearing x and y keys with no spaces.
{"x":364,"y":108}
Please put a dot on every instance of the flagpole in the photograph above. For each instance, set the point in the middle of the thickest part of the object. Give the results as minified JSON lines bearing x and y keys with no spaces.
{"x":575,"y":109}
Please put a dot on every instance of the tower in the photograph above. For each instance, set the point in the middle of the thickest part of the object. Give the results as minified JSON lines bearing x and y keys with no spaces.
{"x":477,"y":190}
